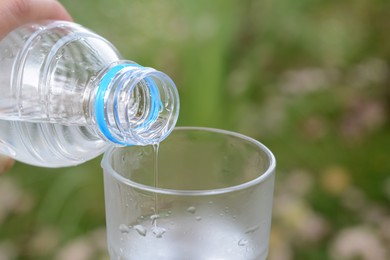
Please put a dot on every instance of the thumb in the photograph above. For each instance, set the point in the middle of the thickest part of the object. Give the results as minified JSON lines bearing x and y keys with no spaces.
{"x":14,"y":13}
{"x":5,"y":163}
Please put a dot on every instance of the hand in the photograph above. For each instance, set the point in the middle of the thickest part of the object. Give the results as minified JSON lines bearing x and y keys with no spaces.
{"x":5,"y":164}
{"x":14,"y":13}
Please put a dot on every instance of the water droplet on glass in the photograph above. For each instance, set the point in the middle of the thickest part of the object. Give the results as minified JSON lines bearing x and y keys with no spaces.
{"x":140,"y":229}
{"x":251,"y":229}
{"x":198,"y":218}
{"x":154,"y":218}
{"x":191,"y":210}
{"x":124,"y":229}
{"x":158,"y":232}
{"x":243,"y":242}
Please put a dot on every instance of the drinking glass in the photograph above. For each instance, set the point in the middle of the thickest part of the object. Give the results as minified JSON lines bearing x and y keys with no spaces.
{"x":201,"y":194}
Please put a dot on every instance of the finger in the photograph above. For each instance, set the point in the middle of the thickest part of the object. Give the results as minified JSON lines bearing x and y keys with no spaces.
{"x":5,"y":164}
{"x":14,"y":13}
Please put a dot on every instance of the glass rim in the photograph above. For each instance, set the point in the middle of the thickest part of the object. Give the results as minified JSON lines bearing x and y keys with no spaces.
{"x":261,"y":178}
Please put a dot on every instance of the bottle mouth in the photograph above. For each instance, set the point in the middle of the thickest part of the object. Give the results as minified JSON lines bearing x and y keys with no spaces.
{"x":136,"y":105}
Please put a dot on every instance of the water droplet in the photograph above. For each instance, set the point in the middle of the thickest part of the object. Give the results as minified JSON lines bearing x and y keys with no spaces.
{"x":191,"y":210}
{"x":140,"y":229}
{"x":124,"y":229}
{"x":154,"y":218}
{"x":8,"y":53}
{"x":251,"y":229}
{"x":158,"y":232}
{"x":243,"y":242}
{"x":198,"y":218}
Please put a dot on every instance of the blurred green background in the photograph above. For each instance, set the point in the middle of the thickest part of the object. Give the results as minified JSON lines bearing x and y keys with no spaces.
{"x":308,"y":78}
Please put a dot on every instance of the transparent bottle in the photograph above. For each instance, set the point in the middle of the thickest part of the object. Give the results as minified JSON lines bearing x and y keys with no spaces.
{"x":67,"y":94}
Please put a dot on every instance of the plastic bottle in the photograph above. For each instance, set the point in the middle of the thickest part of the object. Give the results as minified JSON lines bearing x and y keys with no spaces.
{"x":66,"y":94}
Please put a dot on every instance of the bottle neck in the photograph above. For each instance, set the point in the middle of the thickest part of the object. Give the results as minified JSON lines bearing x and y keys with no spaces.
{"x":134,"y":105}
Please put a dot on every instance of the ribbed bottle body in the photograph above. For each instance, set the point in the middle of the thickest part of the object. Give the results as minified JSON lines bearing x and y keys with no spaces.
{"x":46,"y":70}
{"x":66,"y":94}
